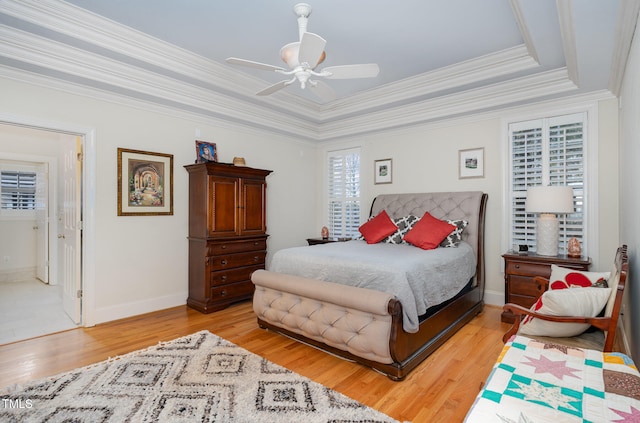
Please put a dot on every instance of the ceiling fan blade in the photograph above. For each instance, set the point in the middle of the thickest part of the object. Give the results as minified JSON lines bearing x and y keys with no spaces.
{"x":323,"y":91}
{"x":251,"y":64}
{"x":311,"y":49}
{"x":369,"y":70}
{"x":273,"y":88}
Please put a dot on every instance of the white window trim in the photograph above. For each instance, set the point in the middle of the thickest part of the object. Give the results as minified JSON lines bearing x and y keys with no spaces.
{"x":590,"y":165}
{"x":325,"y":182}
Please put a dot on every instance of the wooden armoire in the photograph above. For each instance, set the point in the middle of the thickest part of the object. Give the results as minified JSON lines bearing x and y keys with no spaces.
{"x":227,"y":233}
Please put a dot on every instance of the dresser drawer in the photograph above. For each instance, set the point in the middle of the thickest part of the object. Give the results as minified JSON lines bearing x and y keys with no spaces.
{"x":232,"y":292}
{"x":523,"y":301}
{"x":230,"y":261}
{"x":527,"y":269}
{"x":230,"y":247}
{"x":223,"y":277}
{"x":520,"y":285}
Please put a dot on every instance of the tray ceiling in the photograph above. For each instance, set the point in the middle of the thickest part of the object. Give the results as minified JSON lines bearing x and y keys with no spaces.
{"x":437,"y":58}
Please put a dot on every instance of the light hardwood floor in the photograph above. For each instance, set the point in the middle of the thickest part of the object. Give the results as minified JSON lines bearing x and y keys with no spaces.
{"x":441,"y":389}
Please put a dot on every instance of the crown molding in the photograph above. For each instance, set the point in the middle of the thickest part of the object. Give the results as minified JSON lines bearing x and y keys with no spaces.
{"x":470,"y":101}
{"x":524,"y":29}
{"x":125,"y":78}
{"x":628,"y":12}
{"x":501,"y":63}
{"x":82,"y":90}
{"x":454,"y":107}
{"x":568,"y":35}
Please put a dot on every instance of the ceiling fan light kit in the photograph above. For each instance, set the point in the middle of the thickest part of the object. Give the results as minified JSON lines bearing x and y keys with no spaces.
{"x":302,"y":57}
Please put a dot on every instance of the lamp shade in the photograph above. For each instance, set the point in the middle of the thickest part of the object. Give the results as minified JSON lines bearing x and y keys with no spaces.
{"x":549,"y":199}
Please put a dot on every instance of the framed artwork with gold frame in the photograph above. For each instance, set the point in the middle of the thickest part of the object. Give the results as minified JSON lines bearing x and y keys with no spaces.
{"x":145,"y":183}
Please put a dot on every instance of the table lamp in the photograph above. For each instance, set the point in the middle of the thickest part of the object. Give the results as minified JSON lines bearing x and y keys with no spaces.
{"x":548,"y":201}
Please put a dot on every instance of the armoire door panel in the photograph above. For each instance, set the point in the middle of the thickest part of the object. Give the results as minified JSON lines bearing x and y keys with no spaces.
{"x":223,"y":215}
{"x":253,"y":208}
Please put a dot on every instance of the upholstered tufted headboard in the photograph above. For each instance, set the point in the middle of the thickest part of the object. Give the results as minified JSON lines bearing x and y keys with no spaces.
{"x":467,"y":205}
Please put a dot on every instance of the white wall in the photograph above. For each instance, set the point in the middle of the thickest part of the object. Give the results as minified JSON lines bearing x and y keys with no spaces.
{"x":17,"y":248}
{"x":629,"y":172}
{"x":426,"y":159}
{"x":141,"y":261}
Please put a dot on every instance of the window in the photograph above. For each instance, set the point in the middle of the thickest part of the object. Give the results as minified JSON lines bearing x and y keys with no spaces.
{"x":543,"y":152}
{"x":344,"y":192}
{"x":18,"y":190}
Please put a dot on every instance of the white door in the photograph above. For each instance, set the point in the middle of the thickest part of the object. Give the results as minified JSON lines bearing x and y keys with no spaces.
{"x":42,"y":222}
{"x":70,"y":232}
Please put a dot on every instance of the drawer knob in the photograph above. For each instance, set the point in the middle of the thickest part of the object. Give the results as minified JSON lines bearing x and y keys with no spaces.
{"x":224,"y":247}
{"x":223,"y":293}
{"x":223,"y":262}
{"x":224,"y":278}
{"x":256,"y":258}
{"x":517,"y":266}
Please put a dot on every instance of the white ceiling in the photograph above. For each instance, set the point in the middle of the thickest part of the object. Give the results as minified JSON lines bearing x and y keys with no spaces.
{"x":437,"y":58}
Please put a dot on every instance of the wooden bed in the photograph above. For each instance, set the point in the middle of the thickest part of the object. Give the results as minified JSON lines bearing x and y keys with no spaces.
{"x":366,"y":325}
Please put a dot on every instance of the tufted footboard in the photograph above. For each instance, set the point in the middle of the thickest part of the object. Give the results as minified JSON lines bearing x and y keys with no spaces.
{"x":347,"y":318}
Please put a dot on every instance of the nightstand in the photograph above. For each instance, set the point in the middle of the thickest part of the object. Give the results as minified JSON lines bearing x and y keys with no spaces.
{"x":316,"y":241}
{"x":520,"y":269}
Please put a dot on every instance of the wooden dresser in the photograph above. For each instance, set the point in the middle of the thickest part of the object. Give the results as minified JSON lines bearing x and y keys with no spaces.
{"x":519,"y":270}
{"x":227,"y":233}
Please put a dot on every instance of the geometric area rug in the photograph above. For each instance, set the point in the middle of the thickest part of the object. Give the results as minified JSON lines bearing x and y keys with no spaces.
{"x":196,"y":378}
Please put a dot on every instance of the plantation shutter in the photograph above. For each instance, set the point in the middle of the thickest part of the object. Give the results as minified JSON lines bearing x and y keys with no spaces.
{"x":547,"y":152}
{"x":17,"y":190}
{"x":344,"y":192}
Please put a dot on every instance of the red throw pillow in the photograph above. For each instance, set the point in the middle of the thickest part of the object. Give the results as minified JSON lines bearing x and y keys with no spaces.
{"x":378,"y":228}
{"x":429,"y":232}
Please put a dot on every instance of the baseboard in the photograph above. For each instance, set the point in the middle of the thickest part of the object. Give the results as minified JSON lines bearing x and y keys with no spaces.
{"x":17,"y":275}
{"x":121,"y":311}
{"x":623,"y":342}
{"x":494,"y":298}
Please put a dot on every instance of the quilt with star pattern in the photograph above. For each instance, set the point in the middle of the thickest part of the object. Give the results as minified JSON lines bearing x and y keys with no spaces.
{"x":536,"y":382}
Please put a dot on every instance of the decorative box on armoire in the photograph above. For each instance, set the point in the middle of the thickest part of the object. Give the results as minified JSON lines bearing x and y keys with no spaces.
{"x":227,"y":233}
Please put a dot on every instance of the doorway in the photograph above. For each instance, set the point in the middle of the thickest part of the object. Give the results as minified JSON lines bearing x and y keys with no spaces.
{"x":41,"y":271}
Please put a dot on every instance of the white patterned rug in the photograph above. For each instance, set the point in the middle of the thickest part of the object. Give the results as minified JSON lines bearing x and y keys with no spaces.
{"x":200,"y":377}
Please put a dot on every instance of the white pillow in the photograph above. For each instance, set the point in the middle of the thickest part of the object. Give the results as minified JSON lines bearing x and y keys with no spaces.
{"x":562,"y":277}
{"x":584,"y":302}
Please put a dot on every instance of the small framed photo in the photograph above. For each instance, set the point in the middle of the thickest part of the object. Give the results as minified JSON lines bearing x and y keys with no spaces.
{"x":471,"y":163}
{"x":206,"y":152}
{"x":145,"y":183}
{"x":382,"y":171}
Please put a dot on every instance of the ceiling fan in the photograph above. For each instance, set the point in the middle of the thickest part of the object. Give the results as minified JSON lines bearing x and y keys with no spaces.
{"x":302,"y":57}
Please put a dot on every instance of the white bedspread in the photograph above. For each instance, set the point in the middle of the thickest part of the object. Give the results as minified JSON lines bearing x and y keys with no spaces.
{"x":418,"y":278}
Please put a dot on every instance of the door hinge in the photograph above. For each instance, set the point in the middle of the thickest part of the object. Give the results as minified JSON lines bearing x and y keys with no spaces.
{"x":79,"y":293}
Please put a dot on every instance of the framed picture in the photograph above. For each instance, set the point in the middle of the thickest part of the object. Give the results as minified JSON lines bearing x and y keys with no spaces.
{"x":382,"y":171}
{"x":471,"y":163}
{"x":206,"y":152}
{"x":145,"y":183}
